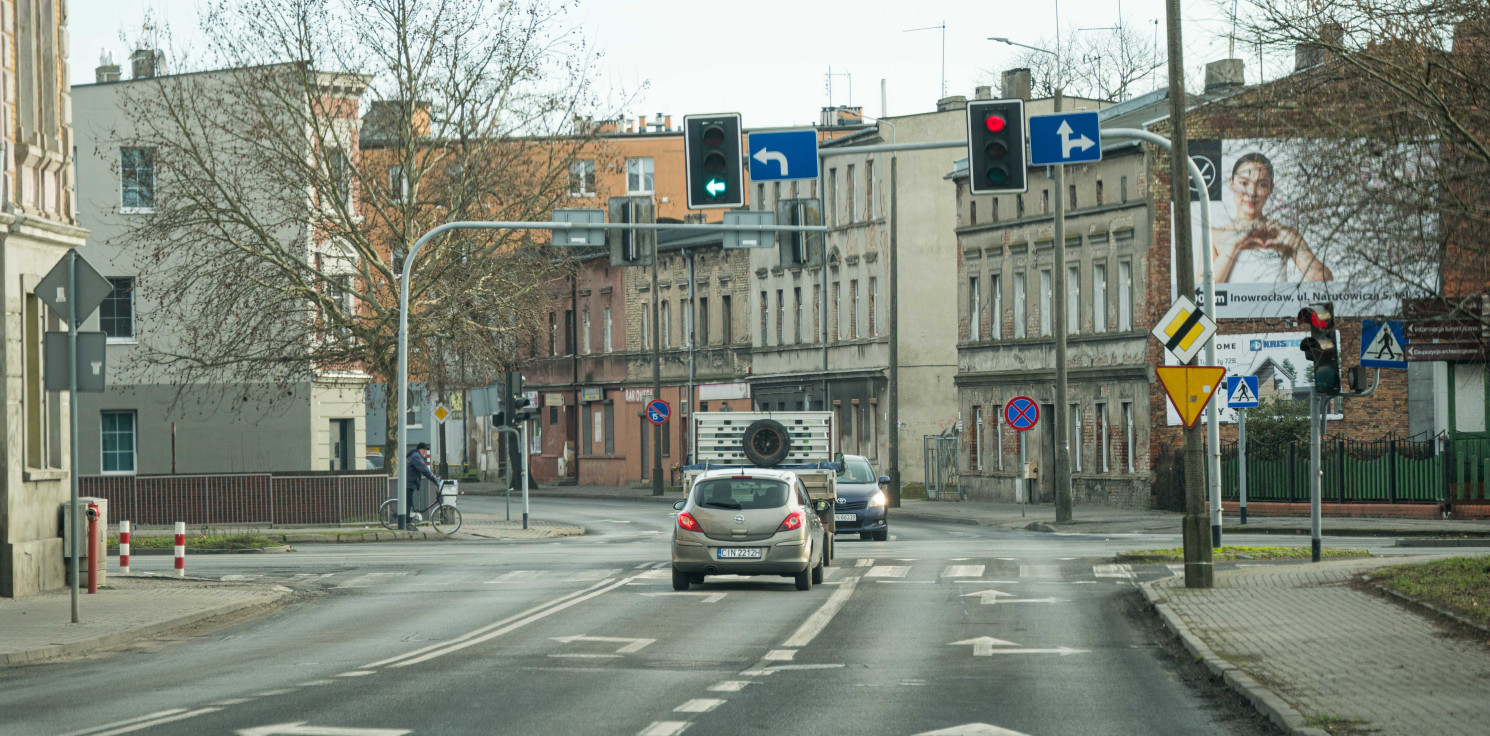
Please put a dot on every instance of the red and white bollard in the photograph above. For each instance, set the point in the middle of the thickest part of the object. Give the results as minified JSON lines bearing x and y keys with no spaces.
{"x":180,"y":549}
{"x":124,"y":548}
{"x":93,"y":548}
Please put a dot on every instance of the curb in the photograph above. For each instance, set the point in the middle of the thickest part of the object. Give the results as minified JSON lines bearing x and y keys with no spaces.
{"x":1268,"y":703}
{"x":1412,"y":602}
{"x":277,"y":549}
{"x":113,"y":639}
{"x":665,"y":498}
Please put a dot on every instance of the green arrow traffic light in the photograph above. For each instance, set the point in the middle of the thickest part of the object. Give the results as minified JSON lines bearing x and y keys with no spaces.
{"x":715,"y":187}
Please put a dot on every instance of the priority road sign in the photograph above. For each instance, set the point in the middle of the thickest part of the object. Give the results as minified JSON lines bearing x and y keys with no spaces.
{"x":1383,"y":344}
{"x":93,"y":288}
{"x":1190,"y":388}
{"x":1022,"y":413}
{"x":783,"y":155}
{"x":1241,"y":392}
{"x":442,"y":413}
{"x":1065,"y":138}
{"x":1184,"y":329}
{"x":658,"y":411}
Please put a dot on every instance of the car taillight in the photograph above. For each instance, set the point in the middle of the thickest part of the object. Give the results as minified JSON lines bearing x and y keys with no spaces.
{"x":791,"y":522}
{"x":686,"y":521}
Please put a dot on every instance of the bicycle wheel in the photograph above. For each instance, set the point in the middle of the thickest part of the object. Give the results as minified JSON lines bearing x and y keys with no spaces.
{"x":446,"y":519}
{"x":388,"y":513}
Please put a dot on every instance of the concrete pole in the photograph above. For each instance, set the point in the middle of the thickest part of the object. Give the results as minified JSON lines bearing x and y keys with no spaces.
{"x":894,"y":389}
{"x":657,"y":429}
{"x":73,"y":321}
{"x":1241,"y":453}
{"x":1197,"y":533}
{"x":525,"y":471}
{"x":1058,"y":303}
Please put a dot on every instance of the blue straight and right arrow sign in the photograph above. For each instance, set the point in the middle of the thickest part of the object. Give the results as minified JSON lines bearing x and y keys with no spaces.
{"x":1065,"y":138}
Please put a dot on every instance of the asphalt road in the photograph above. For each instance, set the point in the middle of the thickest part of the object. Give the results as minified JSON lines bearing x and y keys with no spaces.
{"x":941,"y":627}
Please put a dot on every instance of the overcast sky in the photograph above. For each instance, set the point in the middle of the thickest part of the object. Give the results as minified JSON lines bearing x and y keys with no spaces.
{"x":767,"y":59}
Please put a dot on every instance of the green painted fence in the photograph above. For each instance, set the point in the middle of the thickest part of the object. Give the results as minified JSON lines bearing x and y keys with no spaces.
{"x":1385,"y":471}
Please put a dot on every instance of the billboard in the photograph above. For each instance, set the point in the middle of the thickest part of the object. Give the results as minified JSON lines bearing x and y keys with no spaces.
{"x":1274,"y":357}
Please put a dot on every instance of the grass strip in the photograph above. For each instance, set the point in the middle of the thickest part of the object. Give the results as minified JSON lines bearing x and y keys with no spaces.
{"x":1175,"y":554}
{"x":200,"y":541}
{"x":1457,"y":584}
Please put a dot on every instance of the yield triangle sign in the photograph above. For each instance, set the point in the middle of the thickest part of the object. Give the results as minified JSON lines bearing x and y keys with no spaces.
{"x":1190,"y":388}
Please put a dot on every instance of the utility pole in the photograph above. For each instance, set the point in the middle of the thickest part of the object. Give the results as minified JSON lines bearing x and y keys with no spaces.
{"x":657,"y":429}
{"x":1058,"y":300}
{"x":1197,"y":531}
{"x":894,"y":472}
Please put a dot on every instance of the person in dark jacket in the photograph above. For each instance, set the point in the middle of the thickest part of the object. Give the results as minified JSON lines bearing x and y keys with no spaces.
{"x":418,"y":462}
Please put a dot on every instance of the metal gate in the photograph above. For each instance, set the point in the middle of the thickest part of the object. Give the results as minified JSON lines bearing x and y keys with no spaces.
{"x":939,"y":458}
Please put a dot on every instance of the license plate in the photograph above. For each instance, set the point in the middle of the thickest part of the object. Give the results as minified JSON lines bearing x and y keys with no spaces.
{"x":845,"y":517}
{"x":730,"y":553}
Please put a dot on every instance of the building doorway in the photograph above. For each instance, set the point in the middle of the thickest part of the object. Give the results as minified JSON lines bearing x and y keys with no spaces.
{"x":341,"y":444}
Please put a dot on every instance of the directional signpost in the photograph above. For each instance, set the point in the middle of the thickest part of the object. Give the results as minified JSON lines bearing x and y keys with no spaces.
{"x":1241,"y":394}
{"x":1383,"y":344}
{"x":1065,"y":138}
{"x":658,"y":411}
{"x":783,"y":155}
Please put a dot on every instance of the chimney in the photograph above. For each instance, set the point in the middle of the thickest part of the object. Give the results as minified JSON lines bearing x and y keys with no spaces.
{"x":1016,"y":84}
{"x":1306,"y":55}
{"x":667,"y":122}
{"x":983,"y":92}
{"x":107,"y":70}
{"x":641,"y":124}
{"x":1226,"y":75}
{"x":955,"y":102}
{"x":147,"y":63}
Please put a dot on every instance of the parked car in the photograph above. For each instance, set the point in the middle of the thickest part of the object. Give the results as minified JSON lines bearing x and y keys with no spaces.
{"x":861,"y":500}
{"x":748,"y":521}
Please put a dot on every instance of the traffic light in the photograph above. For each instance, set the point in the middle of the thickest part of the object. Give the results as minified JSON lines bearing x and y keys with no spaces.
{"x":711,"y":150}
{"x":632,"y":247}
{"x":1320,"y":346}
{"x":798,"y":248}
{"x":995,"y":142}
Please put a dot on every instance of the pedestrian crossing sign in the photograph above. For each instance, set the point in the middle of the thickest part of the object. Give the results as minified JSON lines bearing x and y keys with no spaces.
{"x":1383,"y":344}
{"x":1190,"y":388}
{"x":1241,"y":392}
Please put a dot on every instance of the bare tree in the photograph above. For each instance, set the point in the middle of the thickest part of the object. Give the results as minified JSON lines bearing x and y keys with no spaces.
{"x":280,"y":224}
{"x":1101,"y":63}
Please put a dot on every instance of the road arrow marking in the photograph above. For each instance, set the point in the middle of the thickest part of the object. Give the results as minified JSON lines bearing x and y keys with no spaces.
{"x":1067,"y":144}
{"x":765,"y":155}
{"x":300,"y":729}
{"x":632,"y":646}
{"x":972,"y":729}
{"x":991,"y":597}
{"x":988,"y":596}
{"x":985,"y":646}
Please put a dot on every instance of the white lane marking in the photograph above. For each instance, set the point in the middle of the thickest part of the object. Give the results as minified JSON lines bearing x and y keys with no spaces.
{"x":642,"y":566}
{"x":1113,"y":571}
{"x":232,"y":701}
{"x":963,"y":571}
{"x":483,"y":629}
{"x":972,"y":729}
{"x":655,"y":575}
{"x":779,"y":655}
{"x":301,"y":728}
{"x":126,"y":722}
{"x":865,"y":562}
{"x":615,"y":521}
{"x":888,"y":571}
{"x":756,"y":672}
{"x":819,"y":619}
{"x":664,"y":728}
{"x":907,"y":582}
{"x":991,"y":582}
{"x":272,"y":693}
{"x":585,"y":576}
{"x":798,"y":667}
{"x":707,"y":597}
{"x":632,"y":646}
{"x":138,"y":724}
{"x":238,"y":578}
{"x":370,"y":579}
{"x":729,"y":686}
{"x":988,"y":596}
{"x":511,"y":627}
{"x":313,"y":683}
{"x":987,"y":646}
{"x":1039,"y":571}
{"x":699,"y":705}
{"x":585,"y":656}
{"x":660,"y":565}
{"x":519,"y":576}
{"x":357,"y":673}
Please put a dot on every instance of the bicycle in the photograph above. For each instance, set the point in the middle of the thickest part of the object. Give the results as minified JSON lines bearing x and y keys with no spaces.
{"x":445,"y":518}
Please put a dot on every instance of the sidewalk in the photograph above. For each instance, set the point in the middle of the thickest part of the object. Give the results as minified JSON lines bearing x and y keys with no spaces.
{"x":1312,"y":652}
{"x":131,"y":607}
{"x":473,"y":526}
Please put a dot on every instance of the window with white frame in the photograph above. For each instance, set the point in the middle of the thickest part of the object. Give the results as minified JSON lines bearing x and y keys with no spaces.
{"x":638,"y":175}
{"x":1020,"y":318}
{"x":1103,"y":451}
{"x":339,"y":168}
{"x":647,"y":327}
{"x":998,"y":432}
{"x":605,"y":338}
{"x":1073,"y":299}
{"x":977,"y":446}
{"x":1128,"y":435}
{"x":1075,"y":425}
{"x":1125,"y":295}
{"x":996,"y":310}
{"x":1045,"y":302}
{"x":665,"y":324}
{"x":974,"y":309}
{"x":136,"y":179}
{"x":852,"y":186}
{"x":584,"y":332}
{"x":116,"y":315}
{"x":582,"y":178}
{"x":874,"y":302}
{"x":1099,"y":297}
{"x":117,"y":440}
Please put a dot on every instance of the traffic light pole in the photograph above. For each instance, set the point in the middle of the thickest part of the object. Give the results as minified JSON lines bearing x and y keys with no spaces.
{"x":1316,"y":432}
{"x":1062,"y":416}
{"x":656,"y":383}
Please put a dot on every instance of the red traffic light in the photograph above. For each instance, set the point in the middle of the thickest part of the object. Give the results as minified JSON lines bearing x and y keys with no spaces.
{"x":994,"y":123}
{"x":1318,"y":316}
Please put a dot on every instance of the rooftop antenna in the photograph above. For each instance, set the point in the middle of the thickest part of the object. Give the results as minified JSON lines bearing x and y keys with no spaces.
{"x":850,"y":76}
{"x":1231,"y":42}
{"x":943,"y":28}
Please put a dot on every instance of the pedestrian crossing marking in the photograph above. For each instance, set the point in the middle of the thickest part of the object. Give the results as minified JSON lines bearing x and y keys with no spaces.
{"x":887,"y":571}
{"x":963,"y":571}
{"x":370,"y":579}
{"x":591,"y":575}
{"x":1039,"y":571}
{"x":1113,"y":571}
{"x":864,"y":562}
{"x":519,"y":576}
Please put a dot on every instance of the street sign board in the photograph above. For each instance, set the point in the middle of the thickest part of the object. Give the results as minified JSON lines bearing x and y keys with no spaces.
{"x":783,"y":155}
{"x":1190,"y":388}
{"x":577,"y":236}
{"x":1065,"y":138}
{"x":442,"y":413}
{"x":93,"y":288}
{"x":1241,"y":392}
{"x":1022,"y":413}
{"x":1184,"y":329}
{"x":1431,"y":352}
{"x":92,"y":351}
{"x":658,"y":411}
{"x":1463,"y":330}
{"x":1383,"y":344}
{"x":749,"y":239}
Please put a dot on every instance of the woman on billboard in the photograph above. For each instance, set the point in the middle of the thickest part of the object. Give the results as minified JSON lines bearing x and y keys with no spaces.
{"x":1252,"y":248}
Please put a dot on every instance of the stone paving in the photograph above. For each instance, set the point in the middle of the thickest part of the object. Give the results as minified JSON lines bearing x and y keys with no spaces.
{"x":1333,"y":651}
{"x":40,"y":627}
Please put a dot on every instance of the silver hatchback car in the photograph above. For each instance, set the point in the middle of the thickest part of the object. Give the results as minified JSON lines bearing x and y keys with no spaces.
{"x":750,"y":521}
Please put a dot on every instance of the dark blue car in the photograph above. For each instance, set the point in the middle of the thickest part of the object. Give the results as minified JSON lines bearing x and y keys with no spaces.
{"x":861,"y":501}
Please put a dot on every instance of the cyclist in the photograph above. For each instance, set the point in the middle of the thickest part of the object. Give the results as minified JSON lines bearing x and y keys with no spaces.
{"x":418,"y":466}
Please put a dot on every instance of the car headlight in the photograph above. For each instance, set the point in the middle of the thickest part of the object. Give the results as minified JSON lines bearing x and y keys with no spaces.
{"x":878,"y":499}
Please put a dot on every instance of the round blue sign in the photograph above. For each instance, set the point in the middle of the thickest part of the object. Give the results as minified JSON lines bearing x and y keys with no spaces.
{"x":658,"y":411}
{"x":1022,"y":413}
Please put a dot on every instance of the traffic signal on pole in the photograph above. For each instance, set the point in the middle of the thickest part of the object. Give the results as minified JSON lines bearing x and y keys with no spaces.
{"x":632,"y":247}
{"x":800,"y":248}
{"x":711,"y":150}
{"x":1320,"y":347}
{"x":995,"y":141}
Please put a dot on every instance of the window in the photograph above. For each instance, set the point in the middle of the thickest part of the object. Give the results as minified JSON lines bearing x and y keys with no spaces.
{"x":726,"y":320}
{"x":1099,"y":192}
{"x":1020,"y":320}
{"x":1125,"y":295}
{"x":136,"y":179}
{"x":584,"y":333}
{"x":582,"y":178}
{"x":413,"y":417}
{"x":797,"y":315}
{"x":780,"y":317}
{"x":610,"y":426}
{"x":833,"y":196}
{"x":116,"y":316}
{"x":1071,"y":200}
{"x":1099,"y":297}
{"x":667,"y":439}
{"x":996,"y":316}
{"x":647,"y":327}
{"x":118,"y":441}
{"x":1075,"y":425}
{"x":553,"y":333}
{"x":853,"y":306}
{"x":869,"y":190}
{"x":974,"y":448}
{"x":1044,"y":201}
{"x":605,"y":338}
{"x":1102,"y":448}
{"x":1123,"y":189}
{"x":638,"y":176}
{"x":838,"y":310}
{"x":993,"y":210}
{"x":665,"y":324}
{"x":998,"y":426}
{"x":1045,"y":301}
{"x":974,"y":310}
{"x":852,"y":186}
{"x":690,"y":326}
{"x":760,"y":196}
{"x":817,"y":317}
{"x":703,"y":321}
{"x":972,"y":213}
{"x":398,"y":184}
{"x":874,"y":301}
{"x":1073,"y":299}
{"x":1128,"y":435}
{"x":553,"y":415}
{"x":340,"y":171}
{"x":765,"y":337}
{"x":569,"y":336}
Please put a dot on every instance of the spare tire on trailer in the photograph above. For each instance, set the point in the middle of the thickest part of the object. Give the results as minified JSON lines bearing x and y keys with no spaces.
{"x":766,"y":442}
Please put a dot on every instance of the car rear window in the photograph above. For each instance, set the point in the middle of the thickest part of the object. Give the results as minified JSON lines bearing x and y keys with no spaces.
{"x":856,"y":471}
{"x":740,"y":493}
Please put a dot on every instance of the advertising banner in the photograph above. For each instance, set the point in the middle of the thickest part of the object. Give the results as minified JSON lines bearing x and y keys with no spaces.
{"x":1274,"y":358}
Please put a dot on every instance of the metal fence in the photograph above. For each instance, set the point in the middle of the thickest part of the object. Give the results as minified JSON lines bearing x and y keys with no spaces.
{"x":1398,"y":471}
{"x":255,"y":498}
{"x":939,"y":457}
